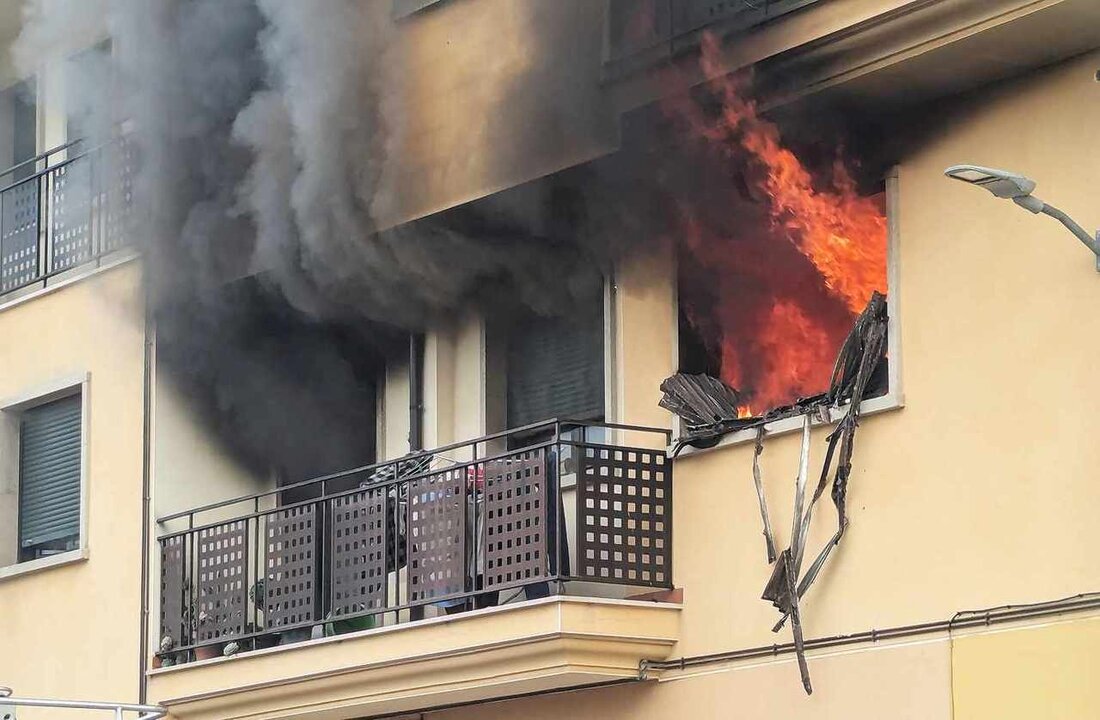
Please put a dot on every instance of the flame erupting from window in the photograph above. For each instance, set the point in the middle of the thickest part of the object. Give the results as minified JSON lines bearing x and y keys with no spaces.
{"x":773,"y":318}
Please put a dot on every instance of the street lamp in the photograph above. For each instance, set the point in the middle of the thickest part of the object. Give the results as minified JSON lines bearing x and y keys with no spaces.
{"x":1018,"y":189}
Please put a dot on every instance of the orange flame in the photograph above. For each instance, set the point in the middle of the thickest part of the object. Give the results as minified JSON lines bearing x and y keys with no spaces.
{"x":841,"y":232}
{"x":777,"y":337}
{"x":792,"y":368}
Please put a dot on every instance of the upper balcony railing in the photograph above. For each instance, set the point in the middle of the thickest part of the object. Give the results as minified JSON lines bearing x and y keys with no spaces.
{"x":553,"y":508}
{"x":64,"y":209}
{"x":642,"y":32}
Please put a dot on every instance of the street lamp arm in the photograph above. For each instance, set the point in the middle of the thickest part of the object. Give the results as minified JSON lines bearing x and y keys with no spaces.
{"x":1018,"y":189}
{"x":1073,"y":227}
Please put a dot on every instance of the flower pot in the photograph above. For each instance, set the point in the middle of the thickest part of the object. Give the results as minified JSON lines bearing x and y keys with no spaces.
{"x":207,"y":652}
{"x":340,"y":627}
{"x":289,"y":637}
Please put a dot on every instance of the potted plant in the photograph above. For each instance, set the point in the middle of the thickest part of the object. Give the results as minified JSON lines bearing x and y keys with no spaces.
{"x":340,"y":626}
{"x":210,"y":650}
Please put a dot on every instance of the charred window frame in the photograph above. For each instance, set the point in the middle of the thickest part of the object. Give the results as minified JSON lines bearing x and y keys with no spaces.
{"x":893,"y":398}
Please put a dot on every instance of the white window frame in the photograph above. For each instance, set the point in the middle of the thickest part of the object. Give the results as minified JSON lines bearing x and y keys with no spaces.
{"x":894,"y":398}
{"x":10,"y":410}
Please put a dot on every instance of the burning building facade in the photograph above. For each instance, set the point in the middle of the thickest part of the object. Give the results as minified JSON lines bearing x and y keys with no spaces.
{"x":366,"y":413}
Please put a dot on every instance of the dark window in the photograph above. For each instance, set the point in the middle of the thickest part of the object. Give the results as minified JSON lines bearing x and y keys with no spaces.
{"x":49,"y":479}
{"x":18,"y":130}
{"x":556,"y":367}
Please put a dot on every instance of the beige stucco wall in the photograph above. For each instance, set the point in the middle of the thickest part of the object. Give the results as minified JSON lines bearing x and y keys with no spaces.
{"x":454,"y":406}
{"x":454,"y":381}
{"x":903,"y":682}
{"x":1038,"y":669}
{"x":1046,"y":670}
{"x":393,"y":410}
{"x":72,"y":631}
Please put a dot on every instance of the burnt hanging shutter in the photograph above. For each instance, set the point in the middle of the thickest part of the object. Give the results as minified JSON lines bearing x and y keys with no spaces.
{"x":49,"y":473}
{"x":556,"y":368}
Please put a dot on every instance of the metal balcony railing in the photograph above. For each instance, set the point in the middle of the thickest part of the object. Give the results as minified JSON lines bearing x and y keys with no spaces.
{"x":64,"y":209}
{"x":545,"y":509}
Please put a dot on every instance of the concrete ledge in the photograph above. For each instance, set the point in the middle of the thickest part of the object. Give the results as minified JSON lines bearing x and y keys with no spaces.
{"x":548,"y":644}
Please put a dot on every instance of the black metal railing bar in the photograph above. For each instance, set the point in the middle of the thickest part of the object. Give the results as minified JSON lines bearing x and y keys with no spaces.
{"x":458,"y":537}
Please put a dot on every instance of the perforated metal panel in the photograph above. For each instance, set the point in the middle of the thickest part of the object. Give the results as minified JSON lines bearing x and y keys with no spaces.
{"x":117,"y":201}
{"x":173,"y":622}
{"x":71,"y":237}
{"x":19,"y":235}
{"x":437,"y":534}
{"x":291,"y":548}
{"x":624,"y":508}
{"x":515,"y":518}
{"x":360,"y":539}
{"x":222,"y":579}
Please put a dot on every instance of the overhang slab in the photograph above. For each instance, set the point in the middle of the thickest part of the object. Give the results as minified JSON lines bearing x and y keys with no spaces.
{"x":551,"y":644}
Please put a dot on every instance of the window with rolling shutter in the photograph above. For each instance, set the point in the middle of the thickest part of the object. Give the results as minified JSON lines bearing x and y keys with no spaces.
{"x":556,"y":369}
{"x":49,"y":478}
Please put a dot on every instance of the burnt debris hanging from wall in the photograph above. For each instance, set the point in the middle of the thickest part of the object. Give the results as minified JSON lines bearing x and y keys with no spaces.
{"x":708,"y":409}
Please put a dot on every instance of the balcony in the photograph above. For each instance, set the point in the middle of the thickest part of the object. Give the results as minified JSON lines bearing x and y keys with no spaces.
{"x":63,"y":212}
{"x":514,"y":563}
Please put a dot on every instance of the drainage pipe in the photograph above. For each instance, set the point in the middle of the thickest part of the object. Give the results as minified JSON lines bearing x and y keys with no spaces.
{"x":416,"y":392}
{"x":961,"y":620}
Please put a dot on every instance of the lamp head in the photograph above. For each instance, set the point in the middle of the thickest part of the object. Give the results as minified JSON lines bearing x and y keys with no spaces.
{"x":1001,"y":183}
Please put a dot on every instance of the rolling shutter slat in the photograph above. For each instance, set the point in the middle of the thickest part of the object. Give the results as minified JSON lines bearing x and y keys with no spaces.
{"x":49,"y":472}
{"x":555,"y":369}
